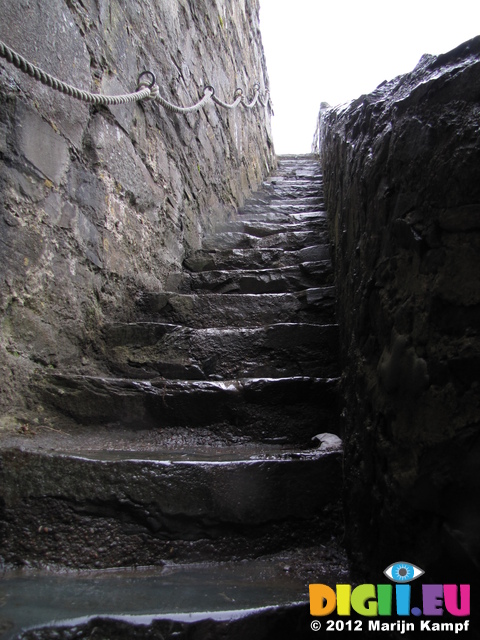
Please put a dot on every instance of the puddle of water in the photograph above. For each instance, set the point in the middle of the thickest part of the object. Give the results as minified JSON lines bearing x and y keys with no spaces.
{"x":37,"y":599}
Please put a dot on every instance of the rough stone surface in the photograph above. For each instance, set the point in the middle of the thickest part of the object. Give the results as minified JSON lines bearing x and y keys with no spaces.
{"x":184,"y":435}
{"x":283,"y":622}
{"x":191,"y":443}
{"x":262,"y":408}
{"x":402,"y":187}
{"x":278,"y":350}
{"x":240,"y":310}
{"x":98,"y":204}
{"x":176,"y":507}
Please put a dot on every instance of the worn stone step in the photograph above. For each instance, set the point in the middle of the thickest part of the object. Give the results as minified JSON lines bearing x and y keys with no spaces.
{"x":202,"y":260}
{"x":281,"y":177}
{"x":259,"y":598}
{"x":298,"y":210}
{"x":298,"y":164}
{"x":158,"y":507}
{"x":293,"y":409}
{"x":292,"y":172}
{"x":269,"y":197}
{"x":285,"y":215}
{"x":259,"y":281}
{"x":264,"y":228}
{"x":279,"y":190}
{"x":295,"y":171}
{"x":303,"y":176}
{"x":288,"y":240}
{"x":314,"y":305}
{"x":291,"y":175}
{"x":148,"y":349}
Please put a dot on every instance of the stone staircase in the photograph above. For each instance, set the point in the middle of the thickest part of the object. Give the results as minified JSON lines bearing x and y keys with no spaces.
{"x":193,"y":452}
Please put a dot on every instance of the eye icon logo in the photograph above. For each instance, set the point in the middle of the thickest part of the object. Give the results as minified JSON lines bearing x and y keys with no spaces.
{"x":403,"y":572}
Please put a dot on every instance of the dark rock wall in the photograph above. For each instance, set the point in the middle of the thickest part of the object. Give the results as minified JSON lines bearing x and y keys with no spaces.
{"x":99,"y":204}
{"x":402,"y":182}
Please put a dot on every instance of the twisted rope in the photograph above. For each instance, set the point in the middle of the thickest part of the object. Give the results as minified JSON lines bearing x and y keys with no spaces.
{"x":250,"y":105}
{"x":238,"y":99}
{"x":146,"y":90}
{"x":54,"y":83}
{"x":155,"y":95}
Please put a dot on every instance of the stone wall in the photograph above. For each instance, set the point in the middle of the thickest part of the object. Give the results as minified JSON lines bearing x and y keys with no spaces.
{"x":402,"y":180}
{"x":100,"y":204}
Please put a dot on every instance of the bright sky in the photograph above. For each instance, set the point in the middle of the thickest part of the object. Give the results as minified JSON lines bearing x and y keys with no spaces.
{"x":337,"y":50}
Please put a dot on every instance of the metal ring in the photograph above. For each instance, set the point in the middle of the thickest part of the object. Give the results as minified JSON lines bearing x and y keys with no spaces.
{"x":238,"y":92}
{"x":210,"y":88}
{"x":147,"y":73}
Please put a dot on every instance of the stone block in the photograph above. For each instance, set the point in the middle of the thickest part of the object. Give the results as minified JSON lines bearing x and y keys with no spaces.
{"x":40,"y":144}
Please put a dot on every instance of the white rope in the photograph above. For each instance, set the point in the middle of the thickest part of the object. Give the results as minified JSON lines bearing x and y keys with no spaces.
{"x":146,"y":90}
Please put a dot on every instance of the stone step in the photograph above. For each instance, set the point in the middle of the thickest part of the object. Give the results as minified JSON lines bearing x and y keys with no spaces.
{"x":290,"y":175}
{"x":259,"y":281}
{"x":147,"y":350}
{"x":284,"y":215}
{"x":259,"y":598}
{"x":302,"y":177}
{"x":300,"y":159}
{"x":302,"y":209}
{"x":280,"y":189}
{"x":288,"y":240}
{"x":315,"y":305}
{"x":267,"y":197}
{"x":299,"y":168}
{"x":265,"y":228}
{"x":260,"y":409}
{"x":137,"y":508}
{"x":255,"y":258}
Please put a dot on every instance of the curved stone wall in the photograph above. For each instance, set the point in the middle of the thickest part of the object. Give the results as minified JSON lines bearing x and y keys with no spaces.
{"x":100,"y":204}
{"x":402,"y":183}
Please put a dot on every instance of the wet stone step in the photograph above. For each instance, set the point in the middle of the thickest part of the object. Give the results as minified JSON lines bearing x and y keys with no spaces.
{"x":314,"y":305}
{"x":263,"y":229}
{"x":202,"y":260}
{"x":284,"y":208}
{"x":269,"y":196}
{"x":301,"y":186}
{"x":291,"y":173}
{"x":145,"y":350}
{"x":161,"y":499}
{"x":258,"y":281}
{"x":261,"y":623}
{"x":298,"y":169}
{"x":281,"y":178}
{"x":260,"y":409}
{"x":291,"y":191}
{"x":288,"y":240}
{"x":284,"y":216}
{"x":236,"y":600}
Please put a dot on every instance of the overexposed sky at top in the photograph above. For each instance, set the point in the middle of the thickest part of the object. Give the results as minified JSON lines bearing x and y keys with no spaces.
{"x":336,"y":50}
